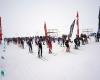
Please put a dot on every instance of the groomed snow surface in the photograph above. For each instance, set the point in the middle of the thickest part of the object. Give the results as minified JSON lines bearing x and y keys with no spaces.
{"x":81,"y":64}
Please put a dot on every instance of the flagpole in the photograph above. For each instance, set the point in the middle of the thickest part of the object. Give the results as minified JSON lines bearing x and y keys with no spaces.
{"x":45,"y":30}
{"x":0,"y":31}
{"x":99,"y":21}
{"x":77,"y":22}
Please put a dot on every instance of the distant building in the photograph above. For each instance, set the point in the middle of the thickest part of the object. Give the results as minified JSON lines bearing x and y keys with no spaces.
{"x":87,"y":31}
{"x":53,"y":32}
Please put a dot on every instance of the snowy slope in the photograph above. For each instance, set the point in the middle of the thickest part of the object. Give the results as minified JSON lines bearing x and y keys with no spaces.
{"x":82,"y":64}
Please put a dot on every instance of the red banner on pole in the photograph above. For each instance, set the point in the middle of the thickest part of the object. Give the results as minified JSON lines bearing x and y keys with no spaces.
{"x":47,"y":38}
{"x":45,"y":29}
{"x":0,"y":31}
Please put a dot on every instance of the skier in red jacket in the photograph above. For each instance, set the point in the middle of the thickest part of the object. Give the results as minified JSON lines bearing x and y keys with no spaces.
{"x":50,"y":45}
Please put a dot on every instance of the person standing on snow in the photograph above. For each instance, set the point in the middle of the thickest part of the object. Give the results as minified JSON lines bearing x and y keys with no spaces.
{"x":22,"y":43}
{"x":30,"y":45}
{"x":39,"y":48}
{"x":67,"y":46}
{"x":77,"y":42}
{"x":50,"y":45}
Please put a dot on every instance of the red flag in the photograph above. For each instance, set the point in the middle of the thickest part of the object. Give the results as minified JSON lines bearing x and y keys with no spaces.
{"x":77,"y":22}
{"x":45,"y":29}
{"x":48,"y":41}
{"x":0,"y":31}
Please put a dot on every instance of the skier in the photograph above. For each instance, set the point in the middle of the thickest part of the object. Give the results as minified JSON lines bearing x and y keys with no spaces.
{"x":30,"y":45}
{"x":67,"y":45}
{"x":58,"y":40}
{"x":77,"y":42}
{"x":63,"y":41}
{"x":50,"y":45}
{"x":82,"y":39}
{"x":39,"y":48}
{"x":85,"y":39}
{"x":98,"y":36}
{"x":22,"y":43}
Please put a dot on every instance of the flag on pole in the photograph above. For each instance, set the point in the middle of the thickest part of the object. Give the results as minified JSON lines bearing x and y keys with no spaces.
{"x":45,"y":29}
{"x":99,"y":21}
{"x":46,"y":33}
{"x":48,"y":41}
{"x":77,"y":22}
{"x":98,"y":32}
{"x":71,"y":28}
{"x":0,"y":31}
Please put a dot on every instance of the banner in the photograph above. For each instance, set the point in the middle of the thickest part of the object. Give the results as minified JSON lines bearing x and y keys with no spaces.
{"x":71,"y":28}
{"x":0,"y":31}
{"x":77,"y":22}
{"x":45,"y":29}
{"x":99,"y":21}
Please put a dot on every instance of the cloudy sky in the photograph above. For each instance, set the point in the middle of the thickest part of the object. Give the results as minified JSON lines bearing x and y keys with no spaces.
{"x":27,"y":17}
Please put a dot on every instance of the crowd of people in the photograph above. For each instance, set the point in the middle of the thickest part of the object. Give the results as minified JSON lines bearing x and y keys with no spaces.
{"x":39,"y":41}
{"x":97,"y":37}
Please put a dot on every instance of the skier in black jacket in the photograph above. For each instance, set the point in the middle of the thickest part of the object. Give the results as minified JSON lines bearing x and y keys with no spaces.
{"x":30,"y":45}
{"x":77,"y":42}
{"x":39,"y":48}
{"x":67,"y":46}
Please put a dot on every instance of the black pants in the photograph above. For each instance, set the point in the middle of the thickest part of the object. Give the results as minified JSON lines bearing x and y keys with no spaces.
{"x":97,"y":39}
{"x":30,"y":48}
{"x":39,"y":52}
{"x":76,"y":46}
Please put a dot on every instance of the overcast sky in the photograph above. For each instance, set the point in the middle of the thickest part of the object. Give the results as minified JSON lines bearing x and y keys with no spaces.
{"x":27,"y":17}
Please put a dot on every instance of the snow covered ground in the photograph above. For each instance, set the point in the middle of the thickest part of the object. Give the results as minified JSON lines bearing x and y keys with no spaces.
{"x":82,"y":64}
